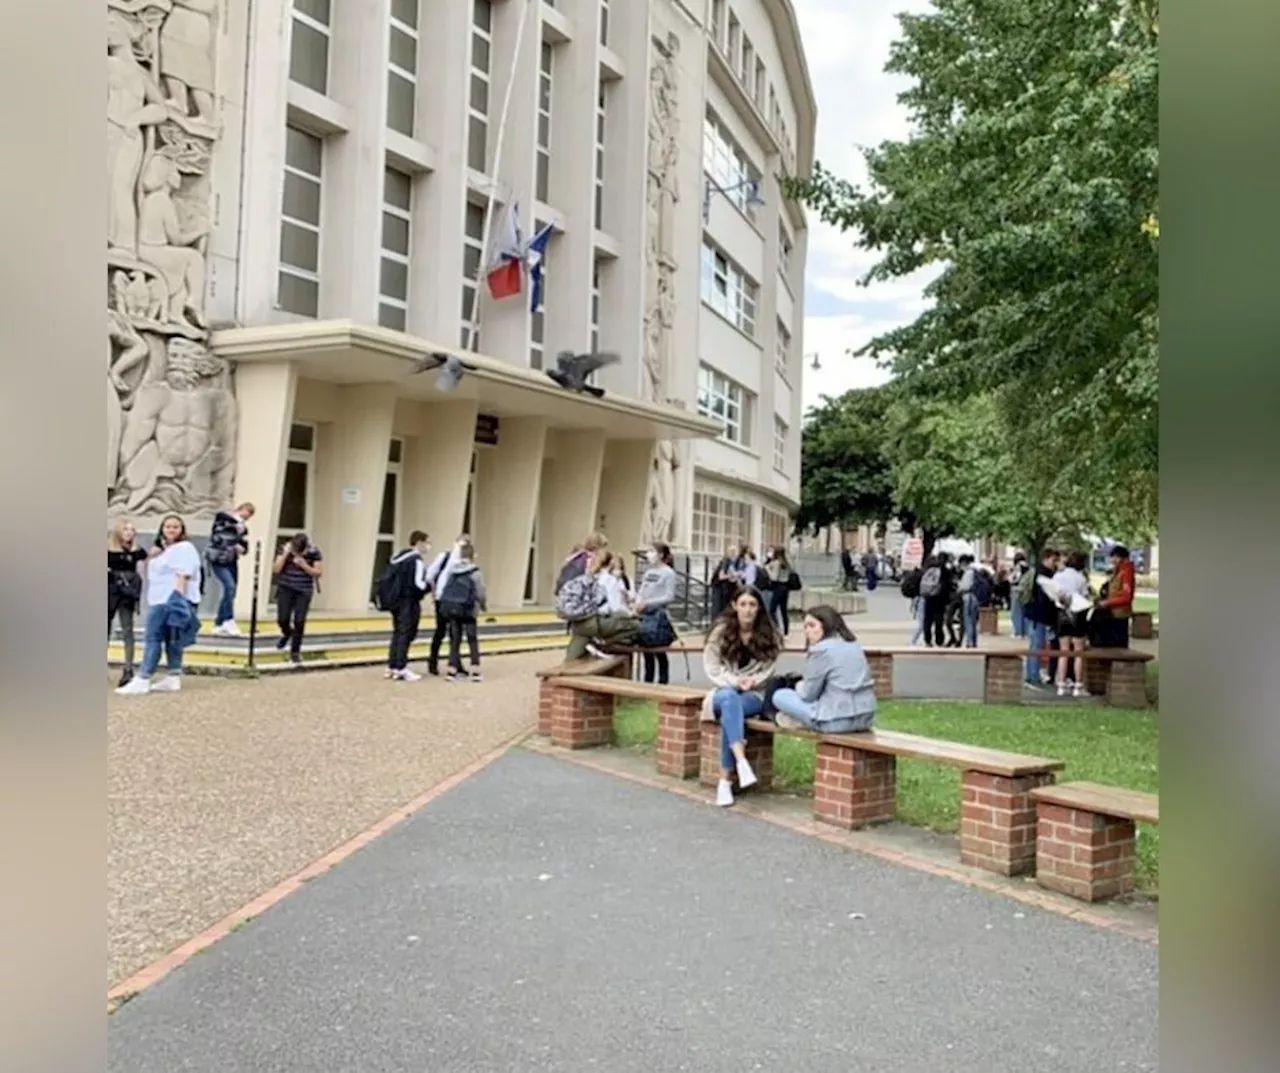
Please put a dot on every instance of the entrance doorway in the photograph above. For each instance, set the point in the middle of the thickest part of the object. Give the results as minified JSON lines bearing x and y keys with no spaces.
{"x":296,"y":493}
{"x":388,"y":514}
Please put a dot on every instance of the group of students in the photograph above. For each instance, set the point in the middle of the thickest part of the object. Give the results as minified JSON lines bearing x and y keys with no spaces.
{"x":774,"y":579}
{"x":947,"y":596}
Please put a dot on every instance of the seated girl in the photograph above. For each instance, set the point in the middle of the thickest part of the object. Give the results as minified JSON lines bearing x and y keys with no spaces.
{"x":739,"y":656}
{"x":836,"y":694}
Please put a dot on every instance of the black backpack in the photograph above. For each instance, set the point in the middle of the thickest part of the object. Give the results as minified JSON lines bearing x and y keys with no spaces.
{"x":459,"y":595}
{"x":982,"y":587}
{"x":911,"y":583}
{"x":394,"y":583}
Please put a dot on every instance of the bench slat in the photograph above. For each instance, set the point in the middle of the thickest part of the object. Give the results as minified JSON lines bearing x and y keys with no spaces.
{"x":1104,"y":800}
{"x":624,"y":687}
{"x":913,"y":747}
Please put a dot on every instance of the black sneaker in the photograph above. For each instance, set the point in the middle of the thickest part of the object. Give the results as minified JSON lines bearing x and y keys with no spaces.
{"x":126,"y":676}
{"x":282,"y":641}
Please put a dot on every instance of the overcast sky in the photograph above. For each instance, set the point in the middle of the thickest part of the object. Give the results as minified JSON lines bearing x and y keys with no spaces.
{"x":847,"y":44}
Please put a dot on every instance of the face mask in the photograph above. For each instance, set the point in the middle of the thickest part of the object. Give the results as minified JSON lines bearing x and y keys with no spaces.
{"x":650,"y":556}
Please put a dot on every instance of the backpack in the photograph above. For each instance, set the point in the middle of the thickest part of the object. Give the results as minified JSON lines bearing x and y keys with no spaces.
{"x":981,"y":587}
{"x":911,"y":584}
{"x":391,"y":588}
{"x":656,"y":630}
{"x":794,"y":582}
{"x":1026,"y":589}
{"x":578,"y":598}
{"x":931,"y":582}
{"x":460,"y":593}
{"x":574,"y":566}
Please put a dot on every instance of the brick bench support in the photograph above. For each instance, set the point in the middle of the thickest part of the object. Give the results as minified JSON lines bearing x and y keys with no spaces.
{"x":1126,"y":684}
{"x":549,"y":695}
{"x":998,"y":821}
{"x":679,"y":737}
{"x":1142,"y":625}
{"x":759,"y":756}
{"x":1003,"y":677}
{"x":852,"y":787}
{"x":1084,"y":854}
{"x":581,"y":720}
{"x":881,"y":667}
{"x":988,"y":621}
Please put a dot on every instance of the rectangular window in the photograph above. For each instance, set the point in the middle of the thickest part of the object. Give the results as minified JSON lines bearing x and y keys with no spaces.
{"x":723,"y":400}
{"x":728,"y":290}
{"x":309,"y":44}
{"x":717,"y":23}
{"x":718,"y":522}
{"x":735,"y":40}
{"x":478,"y":119}
{"x":600,"y":124}
{"x":729,"y":166}
{"x":747,"y":66}
{"x":595,"y":308}
{"x":758,"y":92}
{"x":546,"y":72}
{"x":785,"y":249}
{"x":472,"y":255}
{"x":604,"y":23}
{"x":779,"y":445}
{"x":397,"y":224}
{"x":775,"y":525}
{"x":402,"y":70}
{"x":782,"y":352}
{"x":298,"y":278}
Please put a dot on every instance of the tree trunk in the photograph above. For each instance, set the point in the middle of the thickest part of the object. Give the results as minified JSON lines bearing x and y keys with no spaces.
{"x":929,"y":537}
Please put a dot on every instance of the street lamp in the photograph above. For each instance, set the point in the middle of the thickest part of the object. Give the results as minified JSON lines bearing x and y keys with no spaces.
{"x":752,"y":186}
{"x":816,"y":364}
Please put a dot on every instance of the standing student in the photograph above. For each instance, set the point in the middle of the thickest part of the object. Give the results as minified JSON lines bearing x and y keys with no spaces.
{"x":441,"y":629}
{"x":459,"y":593}
{"x":228,"y":540}
{"x":173,"y":594}
{"x":1073,"y":626}
{"x":613,"y":583}
{"x":934,"y":591}
{"x":401,"y":590}
{"x":1017,"y":612}
{"x":296,"y":569}
{"x":725,"y":580}
{"x":657,"y":593}
{"x":124,"y":586}
{"x":1042,"y":620}
{"x":782,"y":580}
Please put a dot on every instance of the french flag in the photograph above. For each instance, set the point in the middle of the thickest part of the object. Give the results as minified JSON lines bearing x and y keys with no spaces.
{"x":537,"y":255}
{"x":506,"y":271}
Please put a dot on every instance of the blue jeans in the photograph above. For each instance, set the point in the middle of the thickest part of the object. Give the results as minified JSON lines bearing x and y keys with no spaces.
{"x":228,"y":577}
{"x":1019,"y":616}
{"x":154,"y":637}
{"x":789,"y":702}
{"x":917,"y":613}
{"x":733,"y":709}
{"x":970,"y":620}
{"x":1040,"y":635}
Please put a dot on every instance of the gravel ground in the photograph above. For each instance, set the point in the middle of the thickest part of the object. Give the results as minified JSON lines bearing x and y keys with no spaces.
{"x":221,"y":791}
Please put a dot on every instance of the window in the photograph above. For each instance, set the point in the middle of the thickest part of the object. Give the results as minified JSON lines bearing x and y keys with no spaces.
{"x":546,"y":72}
{"x":537,"y":320}
{"x":397,"y":223}
{"x":604,"y":23}
{"x":758,"y":92}
{"x":717,"y":23}
{"x":595,"y":308}
{"x":728,"y":290}
{"x":309,"y":44}
{"x":785,"y":249}
{"x":782,"y":351}
{"x":472,"y":254}
{"x":718,"y":522}
{"x":600,"y":122}
{"x":402,"y":71}
{"x":298,"y":279}
{"x":295,"y":495}
{"x":723,"y":400}
{"x":388,"y":515}
{"x":729,"y":167}
{"x":747,"y":66}
{"x":735,"y":40}
{"x":478,"y":121}
{"x":775,"y":525}
{"x":779,"y":444}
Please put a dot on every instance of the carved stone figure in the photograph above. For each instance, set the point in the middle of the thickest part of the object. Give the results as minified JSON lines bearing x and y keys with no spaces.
{"x":170,"y":411}
{"x":662,"y":195}
{"x":178,"y":443}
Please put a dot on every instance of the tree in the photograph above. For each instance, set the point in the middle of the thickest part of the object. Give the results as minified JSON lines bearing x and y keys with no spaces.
{"x":1031,"y":179}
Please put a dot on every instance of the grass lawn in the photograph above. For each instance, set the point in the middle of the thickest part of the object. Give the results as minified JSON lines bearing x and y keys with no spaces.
{"x":1107,"y":745}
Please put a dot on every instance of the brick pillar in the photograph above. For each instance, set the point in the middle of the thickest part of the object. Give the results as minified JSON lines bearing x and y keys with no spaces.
{"x":998,"y":821}
{"x":852,"y":787}
{"x":1003,"y":680}
{"x":1082,"y":854}
{"x":1128,"y":685}
{"x":581,"y":720}
{"x":759,"y":756}
{"x":1142,"y":626}
{"x":881,"y":665}
{"x":678,"y":737}
{"x":1097,"y":676}
{"x":547,"y":694}
{"x":988,"y":621}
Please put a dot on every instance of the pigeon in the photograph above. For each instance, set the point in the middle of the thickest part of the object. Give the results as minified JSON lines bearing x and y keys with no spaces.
{"x":451,"y":370}
{"x":572,"y":370}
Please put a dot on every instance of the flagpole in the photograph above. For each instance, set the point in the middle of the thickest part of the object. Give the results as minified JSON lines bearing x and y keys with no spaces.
{"x":486,"y":233}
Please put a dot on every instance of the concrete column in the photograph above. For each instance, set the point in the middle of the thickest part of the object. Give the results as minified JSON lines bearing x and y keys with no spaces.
{"x":264,"y":397}
{"x":356,"y":471}
{"x":571,"y":475}
{"x":437,"y":469}
{"x":508,"y":479}
{"x":624,"y":484}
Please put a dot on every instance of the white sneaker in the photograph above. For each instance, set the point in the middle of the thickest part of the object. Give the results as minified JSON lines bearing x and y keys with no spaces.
{"x":746,"y":777}
{"x":788,"y":722}
{"x":724,"y":793}
{"x":170,"y":683}
{"x":1062,"y":689}
{"x":229,"y":628}
{"x":592,"y":650}
{"x":135,"y":687}
{"x":408,"y":676}
{"x":1079,"y":690}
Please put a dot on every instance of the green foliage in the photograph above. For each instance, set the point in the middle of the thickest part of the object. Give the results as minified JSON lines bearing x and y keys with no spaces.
{"x":1031,"y":180}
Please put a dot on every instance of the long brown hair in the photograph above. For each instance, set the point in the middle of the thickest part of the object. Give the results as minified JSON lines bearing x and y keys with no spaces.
{"x":763,"y":646}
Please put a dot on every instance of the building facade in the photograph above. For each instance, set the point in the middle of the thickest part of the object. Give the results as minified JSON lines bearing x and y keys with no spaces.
{"x":304,"y":198}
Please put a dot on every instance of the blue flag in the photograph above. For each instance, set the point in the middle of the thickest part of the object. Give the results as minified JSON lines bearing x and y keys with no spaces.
{"x":535,"y":257}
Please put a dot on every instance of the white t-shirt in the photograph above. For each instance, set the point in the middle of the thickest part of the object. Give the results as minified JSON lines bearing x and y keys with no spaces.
{"x":1071,"y":582}
{"x":162,"y":571}
{"x":615,"y":592}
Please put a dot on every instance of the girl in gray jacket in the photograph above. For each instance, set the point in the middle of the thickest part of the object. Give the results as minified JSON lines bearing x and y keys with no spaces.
{"x":836,"y":694}
{"x":656,"y":593}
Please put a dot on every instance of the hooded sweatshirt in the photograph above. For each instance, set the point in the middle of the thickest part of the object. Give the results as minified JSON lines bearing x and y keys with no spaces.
{"x":461,"y":586}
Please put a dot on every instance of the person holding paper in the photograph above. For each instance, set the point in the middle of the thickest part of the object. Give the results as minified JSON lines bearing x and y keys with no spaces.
{"x":1073,"y":624}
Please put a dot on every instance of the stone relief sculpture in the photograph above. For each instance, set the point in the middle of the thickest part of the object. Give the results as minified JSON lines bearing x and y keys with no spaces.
{"x":171,"y":414}
{"x":662,"y":195}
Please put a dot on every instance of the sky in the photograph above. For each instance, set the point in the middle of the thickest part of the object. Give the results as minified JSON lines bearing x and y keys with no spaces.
{"x":847,"y":44}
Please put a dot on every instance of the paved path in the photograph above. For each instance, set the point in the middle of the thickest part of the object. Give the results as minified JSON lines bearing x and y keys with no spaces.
{"x":545,"y":917}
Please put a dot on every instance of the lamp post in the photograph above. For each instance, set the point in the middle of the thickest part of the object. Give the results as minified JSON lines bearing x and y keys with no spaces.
{"x":710,"y":186}
{"x":816,"y":363}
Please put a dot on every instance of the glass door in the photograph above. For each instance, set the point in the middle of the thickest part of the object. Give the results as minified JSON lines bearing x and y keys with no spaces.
{"x":296,"y":494}
{"x":388,"y":515}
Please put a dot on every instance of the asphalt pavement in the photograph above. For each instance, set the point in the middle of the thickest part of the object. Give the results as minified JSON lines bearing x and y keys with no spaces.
{"x":541,"y":916}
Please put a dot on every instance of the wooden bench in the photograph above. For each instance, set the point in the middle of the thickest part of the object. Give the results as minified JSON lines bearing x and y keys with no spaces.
{"x":611,"y":667}
{"x":582,"y":716}
{"x":1142,"y":625}
{"x":1118,"y":674}
{"x":855,"y":784}
{"x":1085,"y":837}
